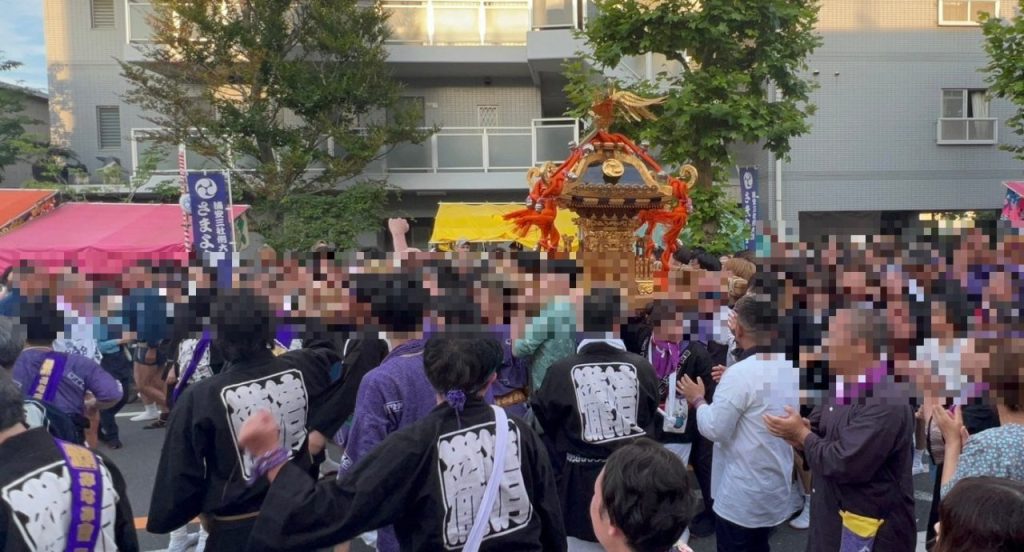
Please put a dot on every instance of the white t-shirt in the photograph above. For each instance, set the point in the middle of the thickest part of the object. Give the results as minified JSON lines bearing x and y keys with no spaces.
{"x":80,"y":336}
{"x":185,"y":351}
{"x":751,"y":469}
{"x":945,"y":361}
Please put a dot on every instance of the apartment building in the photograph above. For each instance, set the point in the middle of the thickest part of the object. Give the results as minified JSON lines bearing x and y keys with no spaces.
{"x":903,"y":124}
{"x":486,"y":72}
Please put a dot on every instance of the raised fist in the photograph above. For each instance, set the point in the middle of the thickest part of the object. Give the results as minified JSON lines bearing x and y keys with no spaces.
{"x":398,"y":225}
{"x":260,"y":433}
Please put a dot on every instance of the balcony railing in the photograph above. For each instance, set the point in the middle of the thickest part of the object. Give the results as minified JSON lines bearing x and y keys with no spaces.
{"x":452,"y":149}
{"x":968,"y":131}
{"x":483,"y":149}
{"x":440,"y":22}
{"x":458,"y":22}
{"x":561,"y":14}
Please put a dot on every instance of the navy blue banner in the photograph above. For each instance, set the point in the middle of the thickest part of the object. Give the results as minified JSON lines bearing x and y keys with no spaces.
{"x":212,"y":228}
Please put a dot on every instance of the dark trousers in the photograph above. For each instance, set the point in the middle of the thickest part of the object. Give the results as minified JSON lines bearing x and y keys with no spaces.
{"x":933,"y":512}
{"x":700,"y":459}
{"x":735,"y":538}
{"x":229,"y":536}
{"x":108,"y":419}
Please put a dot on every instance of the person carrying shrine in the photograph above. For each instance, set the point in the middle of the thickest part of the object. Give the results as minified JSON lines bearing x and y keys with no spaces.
{"x":55,"y":495}
{"x":202,"y":471}
{"x":590,"y":404}
{"x":465,"y":477}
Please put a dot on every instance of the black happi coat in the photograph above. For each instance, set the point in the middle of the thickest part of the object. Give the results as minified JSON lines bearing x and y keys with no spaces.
{"x":34,"y":501}
{"x":426,"y":480}
{"x":619,"y":395}
{"x":202,"y":470}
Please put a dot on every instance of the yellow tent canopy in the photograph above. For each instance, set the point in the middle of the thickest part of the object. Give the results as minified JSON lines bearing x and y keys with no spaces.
{"x":483,"y":223}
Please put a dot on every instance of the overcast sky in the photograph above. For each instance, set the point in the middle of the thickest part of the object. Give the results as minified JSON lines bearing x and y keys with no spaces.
{"x":21,"y":39}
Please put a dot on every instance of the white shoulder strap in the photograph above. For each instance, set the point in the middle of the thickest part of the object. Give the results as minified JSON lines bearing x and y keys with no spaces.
{"x":483,"y":516}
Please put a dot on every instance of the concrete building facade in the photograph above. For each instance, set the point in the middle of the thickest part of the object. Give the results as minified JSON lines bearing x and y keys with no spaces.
{"x":902,"y":123}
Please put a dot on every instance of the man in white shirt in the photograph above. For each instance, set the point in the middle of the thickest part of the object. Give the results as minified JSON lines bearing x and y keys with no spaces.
{"x":751,"y":470}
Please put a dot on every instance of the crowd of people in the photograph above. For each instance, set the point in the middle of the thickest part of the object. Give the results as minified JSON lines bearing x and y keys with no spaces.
{"x":508,"y":401}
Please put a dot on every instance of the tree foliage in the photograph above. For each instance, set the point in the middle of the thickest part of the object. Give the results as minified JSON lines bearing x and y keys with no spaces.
{"x":15,"y":143}
{"x":275,"y":87}
{"x":717,"y":223}
{"x":1004,"y":43}
{"x":731,"y":53}
{"x":329,"y":216}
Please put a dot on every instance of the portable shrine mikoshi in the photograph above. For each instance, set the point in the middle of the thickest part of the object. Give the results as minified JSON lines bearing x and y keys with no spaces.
{"x":614,"y":187}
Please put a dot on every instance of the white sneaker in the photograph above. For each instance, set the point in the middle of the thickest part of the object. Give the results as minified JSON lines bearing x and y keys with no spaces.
{"x":919,"y":465}
{"x":149,"y":414}
{"x":803,"y":521}
{"x":182,"y":540}
{"x":329,"y":466}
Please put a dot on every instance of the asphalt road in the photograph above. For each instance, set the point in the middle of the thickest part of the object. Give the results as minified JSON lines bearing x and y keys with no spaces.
{"x":138,"y":460}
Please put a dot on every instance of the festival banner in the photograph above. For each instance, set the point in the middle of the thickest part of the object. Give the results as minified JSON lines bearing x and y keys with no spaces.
{"x":212,"y":230}
{"x":1013,"y":207}
{"x":748,"y":194}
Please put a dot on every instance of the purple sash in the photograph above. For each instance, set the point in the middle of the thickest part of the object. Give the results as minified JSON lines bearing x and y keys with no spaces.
{"x":193,"y":363}
{"x":51,"y":371}
{"x":86,"y":496}
{"x":283,"y":339}
{"x":665,"y":357}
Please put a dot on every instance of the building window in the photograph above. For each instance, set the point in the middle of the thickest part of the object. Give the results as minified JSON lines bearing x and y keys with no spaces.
{"x":965,"y":118}
{"x":102,"y":12}
{"x":108,"y":123}
{"x":487,"y":116}
{"x":965,"y":12}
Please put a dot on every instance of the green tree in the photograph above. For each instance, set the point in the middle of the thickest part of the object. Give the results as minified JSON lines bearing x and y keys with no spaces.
{"x":1004,"y":43}
{"x":333,"y":218}
{"x":278,"y":88}
{"x":731,"y":53}
{"x":15,"y":143}
{"x":149,"y":159}
{"x":56,"y":169}
{"x":738,"y":81}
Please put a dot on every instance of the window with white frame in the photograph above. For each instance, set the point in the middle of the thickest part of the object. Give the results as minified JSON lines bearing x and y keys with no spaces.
{"x":487,"y":116}
{"x":965,"y":12}
{"x":965,"y":118}
{"x":108,"y":125}
{"x":102,"y":14}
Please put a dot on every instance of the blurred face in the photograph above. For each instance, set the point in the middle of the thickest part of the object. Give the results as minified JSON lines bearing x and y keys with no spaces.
{"x":941,"y":326}
{"x":491,"y":302}
{"x":847,"y":355}
{"x":555,"y":285}
{"x":974,"y":361}
{"x":671,"y":330}
{"x":854,"y":282}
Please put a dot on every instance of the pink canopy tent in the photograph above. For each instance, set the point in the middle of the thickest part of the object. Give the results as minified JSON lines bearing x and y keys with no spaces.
{"x":99,"y":238}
